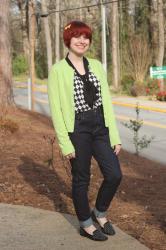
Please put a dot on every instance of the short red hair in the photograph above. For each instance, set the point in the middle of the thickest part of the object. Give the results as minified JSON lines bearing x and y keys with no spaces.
{"x":75,"y":29}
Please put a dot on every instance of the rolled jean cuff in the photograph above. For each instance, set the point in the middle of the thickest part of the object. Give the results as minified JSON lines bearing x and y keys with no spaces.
{"x":98,"y":213}
{"x":86,"y":223}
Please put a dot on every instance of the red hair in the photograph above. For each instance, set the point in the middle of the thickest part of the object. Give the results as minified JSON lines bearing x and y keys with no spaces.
{"x":76,"y":29}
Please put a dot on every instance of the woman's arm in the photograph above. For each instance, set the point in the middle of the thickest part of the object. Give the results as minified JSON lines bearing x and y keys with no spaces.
{"x":56,"y":113}
{"x":113,"y":124}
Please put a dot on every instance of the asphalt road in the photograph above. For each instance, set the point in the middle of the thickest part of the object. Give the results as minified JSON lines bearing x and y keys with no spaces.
{"x":154,"y":125}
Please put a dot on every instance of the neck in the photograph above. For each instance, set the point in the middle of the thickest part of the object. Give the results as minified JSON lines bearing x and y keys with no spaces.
{"x":74,"y":57}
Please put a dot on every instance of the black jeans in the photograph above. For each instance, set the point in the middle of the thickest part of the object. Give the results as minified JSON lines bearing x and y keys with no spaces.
{"x":91,"y":138}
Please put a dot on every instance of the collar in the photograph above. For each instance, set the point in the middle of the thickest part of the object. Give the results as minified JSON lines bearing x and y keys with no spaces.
{"x":85,"y":61}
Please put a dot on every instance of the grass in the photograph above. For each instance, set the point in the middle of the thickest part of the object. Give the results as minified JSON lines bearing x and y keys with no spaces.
{"x":24,"y":78}
{"x":119,"y":92}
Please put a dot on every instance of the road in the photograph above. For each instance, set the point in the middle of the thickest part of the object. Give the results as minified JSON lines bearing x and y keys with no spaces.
{"x":154,"y":124}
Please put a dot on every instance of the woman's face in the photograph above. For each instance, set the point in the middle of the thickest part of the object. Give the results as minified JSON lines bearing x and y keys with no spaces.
{"x":79,"y":45}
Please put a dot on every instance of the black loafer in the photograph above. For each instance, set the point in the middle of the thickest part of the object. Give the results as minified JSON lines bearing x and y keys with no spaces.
{"x":97,"y":235}
{"x":107,"y":228}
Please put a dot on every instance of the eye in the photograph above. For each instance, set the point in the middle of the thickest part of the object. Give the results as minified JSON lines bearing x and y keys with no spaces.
{"x":84,"y":36}
{"x":76,"y":35}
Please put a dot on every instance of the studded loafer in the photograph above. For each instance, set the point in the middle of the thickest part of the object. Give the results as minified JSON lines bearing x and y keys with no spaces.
{"x":97,"y":235}
{"x":107,"y":228}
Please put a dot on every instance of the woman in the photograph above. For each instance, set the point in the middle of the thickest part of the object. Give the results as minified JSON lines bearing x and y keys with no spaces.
{"x":85,"y":126}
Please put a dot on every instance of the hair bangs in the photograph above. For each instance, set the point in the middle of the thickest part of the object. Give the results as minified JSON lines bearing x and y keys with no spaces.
{"x":78,"y":31}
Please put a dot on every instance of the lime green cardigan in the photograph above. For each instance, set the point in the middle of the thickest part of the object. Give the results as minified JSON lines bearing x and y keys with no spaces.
{"x":61,"y":101}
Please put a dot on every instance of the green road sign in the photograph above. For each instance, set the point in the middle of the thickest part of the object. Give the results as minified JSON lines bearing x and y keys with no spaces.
{"x":158,"y":72}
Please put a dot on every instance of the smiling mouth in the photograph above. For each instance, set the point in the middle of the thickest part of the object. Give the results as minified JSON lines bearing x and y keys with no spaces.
{"x":80,"y":46}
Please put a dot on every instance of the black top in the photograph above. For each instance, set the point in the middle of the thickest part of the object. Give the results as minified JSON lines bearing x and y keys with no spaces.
{"x":89,"y":89}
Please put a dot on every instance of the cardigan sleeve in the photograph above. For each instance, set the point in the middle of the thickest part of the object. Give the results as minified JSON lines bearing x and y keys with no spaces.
{"x":112,"y":123}
{"x":56,"y":113}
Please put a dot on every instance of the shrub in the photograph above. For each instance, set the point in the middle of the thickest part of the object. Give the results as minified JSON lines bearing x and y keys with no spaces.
{"x":127,"y":83}
{"x":135,"y":126}
{"x":138,"y":89}
{"x":19,"y":65}
{"x":152,"y":86}
{"x":137,"y":57}
{"x":161,"y":96}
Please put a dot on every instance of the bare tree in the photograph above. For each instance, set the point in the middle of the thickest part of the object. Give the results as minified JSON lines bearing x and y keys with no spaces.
{"x":6,"y":93}
{"x":57,"y":32}
{"x":32,"y":21}
{"x":137,"y":57}
{"x":80,"y":11}
{"x":161,"y":47}
{"x":22,"y":4}
{"x":160,"y":57}
{"x":131,"y":12}
{"x":115,"y":44}
{"x":47,"y":35}
{"x":157,"y":31}
{"x":154,"y":28}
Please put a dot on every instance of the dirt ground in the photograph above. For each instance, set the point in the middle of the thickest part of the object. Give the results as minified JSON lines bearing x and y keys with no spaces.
{"x":28,"y":177}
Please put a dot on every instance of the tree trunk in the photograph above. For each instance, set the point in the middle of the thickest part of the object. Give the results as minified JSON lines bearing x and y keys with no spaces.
{"x":115,"y":44}
{"x":32,"y":21}
{"x":80,"y":11}
{"x":131,"y":12}
{"x":24,"y":23}
{"x":63,"y":21}
{"x":6,"y":92}
{"x":157,"y":28}
{"x":104,"y":42}
{"x":57,"y":32}
{"x":160,"y":56}
{"x":47,"y":35}
{"x":154,"y":29}
{"x":160,"y":53}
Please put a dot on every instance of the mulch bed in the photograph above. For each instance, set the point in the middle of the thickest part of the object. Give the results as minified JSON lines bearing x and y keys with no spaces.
{"x":28,"y":177}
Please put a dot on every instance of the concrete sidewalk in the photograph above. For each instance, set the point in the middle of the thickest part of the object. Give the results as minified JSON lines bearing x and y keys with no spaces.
{"x":28,"y":228}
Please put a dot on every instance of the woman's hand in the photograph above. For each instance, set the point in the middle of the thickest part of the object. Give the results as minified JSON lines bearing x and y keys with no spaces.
{"x":117,"y":149}
{"x":70,"y":156}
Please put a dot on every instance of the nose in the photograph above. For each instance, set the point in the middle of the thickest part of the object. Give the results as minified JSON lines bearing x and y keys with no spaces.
{"x":82,"y":39}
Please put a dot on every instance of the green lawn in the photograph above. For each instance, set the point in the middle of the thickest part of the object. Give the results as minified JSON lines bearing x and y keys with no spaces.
{"x":24,"y":78}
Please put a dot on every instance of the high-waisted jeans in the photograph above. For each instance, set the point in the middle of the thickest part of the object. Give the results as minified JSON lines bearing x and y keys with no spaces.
{"x":91,"y":138}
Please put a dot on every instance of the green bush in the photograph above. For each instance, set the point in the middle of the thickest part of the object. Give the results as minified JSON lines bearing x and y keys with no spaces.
{"x":19,"y":65}
{"x":41,"y":66}
{"x":127,"y":83}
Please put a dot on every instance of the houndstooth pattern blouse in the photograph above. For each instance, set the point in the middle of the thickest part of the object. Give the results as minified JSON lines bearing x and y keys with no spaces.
{"x":79,"y":100}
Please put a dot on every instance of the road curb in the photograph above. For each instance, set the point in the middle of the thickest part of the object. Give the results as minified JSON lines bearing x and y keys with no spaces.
{"x":35,"y":89}
{"x":140,"y":106}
